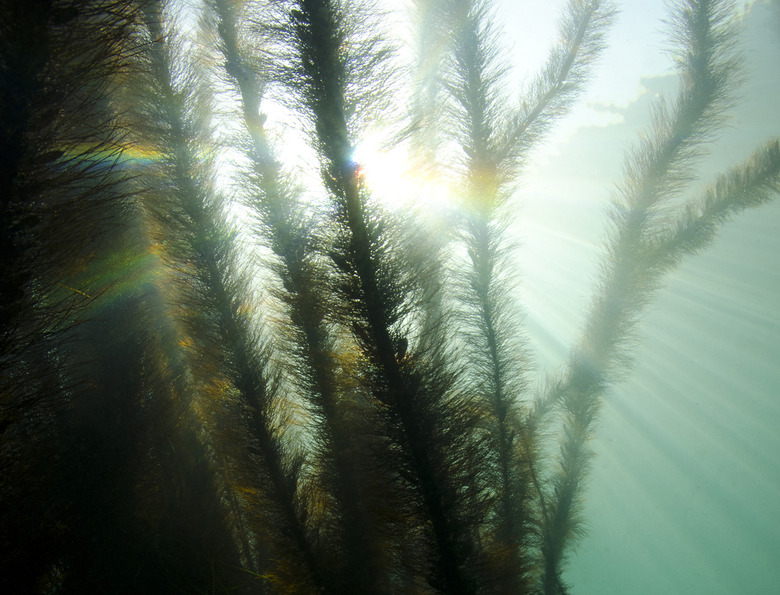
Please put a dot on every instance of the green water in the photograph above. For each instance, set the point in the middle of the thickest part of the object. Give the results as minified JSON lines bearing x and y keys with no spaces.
{"x":684,"y":493}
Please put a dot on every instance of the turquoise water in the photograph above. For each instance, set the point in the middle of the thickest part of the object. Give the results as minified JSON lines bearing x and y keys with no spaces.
{"x":684,"y":493}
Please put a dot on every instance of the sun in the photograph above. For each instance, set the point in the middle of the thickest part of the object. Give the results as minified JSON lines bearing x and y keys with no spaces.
{"x":396,"y":181}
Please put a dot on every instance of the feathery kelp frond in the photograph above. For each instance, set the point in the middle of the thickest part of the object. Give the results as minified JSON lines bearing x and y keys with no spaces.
{"x":106,"y":387}
{"x":63,"y":182}
{"x":660,"y":168}
{"x":493,"y":352}
{"x":60,"y":152}
{"x":222,"y":345}
{"x":345,"y":523}
{"x":581,"y":40}
{"x":657,"y":173}
{"x":420,"y":412}
{"x":694,"y":225}
{"x":433,"y":19}
{"x":496,"y":354}
{"x":709,"y":69}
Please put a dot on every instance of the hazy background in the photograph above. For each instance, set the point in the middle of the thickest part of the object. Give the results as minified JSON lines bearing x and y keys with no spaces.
{"x":684,"y":493}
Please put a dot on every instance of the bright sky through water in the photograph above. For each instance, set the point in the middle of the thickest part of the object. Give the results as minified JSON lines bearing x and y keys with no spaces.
{"x":634,"y":49}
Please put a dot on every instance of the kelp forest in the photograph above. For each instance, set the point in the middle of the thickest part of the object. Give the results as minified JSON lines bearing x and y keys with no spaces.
{"x":226,"y":366}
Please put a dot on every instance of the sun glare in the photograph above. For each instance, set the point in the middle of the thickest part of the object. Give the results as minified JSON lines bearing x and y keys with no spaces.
{"x":396,"y":181}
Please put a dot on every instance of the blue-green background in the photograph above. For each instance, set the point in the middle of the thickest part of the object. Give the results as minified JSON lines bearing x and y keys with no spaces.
{"x":684,"y":493}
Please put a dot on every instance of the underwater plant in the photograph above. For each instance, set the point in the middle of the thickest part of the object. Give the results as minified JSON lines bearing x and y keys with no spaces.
{"x":226,"y":372}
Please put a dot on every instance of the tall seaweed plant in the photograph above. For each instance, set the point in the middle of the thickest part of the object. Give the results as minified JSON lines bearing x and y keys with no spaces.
{"x":72,"y":388}
{"x":263,"y":387}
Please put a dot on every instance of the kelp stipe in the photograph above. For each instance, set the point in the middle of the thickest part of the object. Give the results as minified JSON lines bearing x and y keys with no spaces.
{"x":342,"y":516}
{"x":233,"y":392}
{"x":494,"y":139}
{"x":202,"y":531}
{"x":425,"y":425}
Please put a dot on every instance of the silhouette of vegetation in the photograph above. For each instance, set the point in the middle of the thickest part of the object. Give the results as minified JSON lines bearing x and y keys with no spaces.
{"x":262,"y":387}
